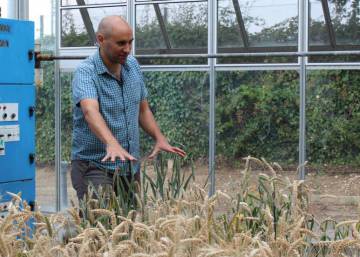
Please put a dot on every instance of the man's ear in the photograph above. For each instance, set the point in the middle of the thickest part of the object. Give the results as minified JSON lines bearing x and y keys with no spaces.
{"x":99,"y":39}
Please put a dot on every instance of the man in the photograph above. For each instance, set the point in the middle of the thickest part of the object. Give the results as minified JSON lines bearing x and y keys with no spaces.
{"x":109,"y":97}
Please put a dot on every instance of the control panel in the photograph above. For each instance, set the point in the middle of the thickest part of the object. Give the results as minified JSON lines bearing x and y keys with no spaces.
{"x":17,"y":117}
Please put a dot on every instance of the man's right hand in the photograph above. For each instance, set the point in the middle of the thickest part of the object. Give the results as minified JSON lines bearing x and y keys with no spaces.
{"x":114,"y":151}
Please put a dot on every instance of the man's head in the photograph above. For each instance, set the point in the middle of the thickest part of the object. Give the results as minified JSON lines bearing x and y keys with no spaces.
{"x":115,"y":38}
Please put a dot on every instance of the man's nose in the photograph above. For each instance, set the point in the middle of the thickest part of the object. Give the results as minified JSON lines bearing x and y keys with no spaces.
{"x":127,"y":48}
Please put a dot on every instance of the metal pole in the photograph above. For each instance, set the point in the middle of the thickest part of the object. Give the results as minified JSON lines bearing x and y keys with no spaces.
{"x":46,"y":57}
{"x":23,"y":11}
{"x":57,"y":116}
{"x":130,"y":16}
{"x":41,"y":28}
{"x":303,"y":14}
{"x":12,"y":9}
{"x":212,"y":84}
{"x":258,"y":54}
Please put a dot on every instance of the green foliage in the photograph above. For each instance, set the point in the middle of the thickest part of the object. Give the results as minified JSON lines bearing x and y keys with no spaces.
{"x":333,"y":117}
{"x":45,"y":116}
{"x":257,"y":113}
{"x":176,"y":185}
{"x":179,"y":101}
{"x":45,"y":119}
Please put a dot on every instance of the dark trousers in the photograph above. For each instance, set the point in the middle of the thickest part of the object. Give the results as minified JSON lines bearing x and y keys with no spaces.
{"x":84,"y":173}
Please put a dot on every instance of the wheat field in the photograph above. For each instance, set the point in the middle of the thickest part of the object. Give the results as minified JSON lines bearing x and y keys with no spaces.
{"x":172,"y":216}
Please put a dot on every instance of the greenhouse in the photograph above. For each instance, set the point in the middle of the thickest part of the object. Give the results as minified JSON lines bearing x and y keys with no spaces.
{"x":244,"y":139}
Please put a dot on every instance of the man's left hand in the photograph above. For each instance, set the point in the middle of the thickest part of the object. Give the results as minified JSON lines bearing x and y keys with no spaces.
{"x":163,"y":145}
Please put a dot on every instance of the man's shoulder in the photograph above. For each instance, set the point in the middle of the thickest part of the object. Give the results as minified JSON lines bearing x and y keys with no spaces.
{"x":132,"y":62}
{"x":87,"y":65}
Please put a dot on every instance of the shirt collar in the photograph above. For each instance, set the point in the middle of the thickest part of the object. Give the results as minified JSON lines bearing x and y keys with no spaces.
{"x":100,"y":66}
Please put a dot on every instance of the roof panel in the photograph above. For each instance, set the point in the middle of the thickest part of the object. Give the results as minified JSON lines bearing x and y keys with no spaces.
{"x":74,"y":30}
{"x":184,"y":25}
{"x":267,"y":23}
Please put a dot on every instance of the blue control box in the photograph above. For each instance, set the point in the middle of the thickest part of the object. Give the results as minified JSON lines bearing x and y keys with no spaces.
{"x":17,"y":110}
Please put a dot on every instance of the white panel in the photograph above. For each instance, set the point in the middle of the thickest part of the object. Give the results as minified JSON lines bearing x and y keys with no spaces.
{"x":9,"y":111}
{"x":10,"y":133}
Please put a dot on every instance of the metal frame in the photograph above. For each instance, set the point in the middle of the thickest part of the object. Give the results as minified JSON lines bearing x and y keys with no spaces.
{"x":212,"y":44}
{"x":329,"y":26}
{"x":301,"y":51}
{"x":18,"y":9}
{"x":241,"y":24}
{"x":163,"y":30}
{"x":303,"y":40}
{"x":57,"y":112}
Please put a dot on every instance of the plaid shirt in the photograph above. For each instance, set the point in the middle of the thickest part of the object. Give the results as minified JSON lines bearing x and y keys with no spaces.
{"x":119,"y":103}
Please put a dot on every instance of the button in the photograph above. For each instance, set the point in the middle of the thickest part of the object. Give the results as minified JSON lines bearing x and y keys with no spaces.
{"x":4,"y":116}
{"x":13,"y":116}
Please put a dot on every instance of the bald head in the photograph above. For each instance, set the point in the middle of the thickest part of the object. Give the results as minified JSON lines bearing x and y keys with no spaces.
{"x":112,"y":24}
{"x":114,"y":37}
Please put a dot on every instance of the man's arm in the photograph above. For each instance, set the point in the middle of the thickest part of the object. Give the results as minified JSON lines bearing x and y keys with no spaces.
{"x":148,"y":123}
{"x":90,"y":109}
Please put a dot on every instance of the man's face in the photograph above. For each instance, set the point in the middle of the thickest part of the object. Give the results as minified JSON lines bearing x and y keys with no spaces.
{"x":117,"y":46}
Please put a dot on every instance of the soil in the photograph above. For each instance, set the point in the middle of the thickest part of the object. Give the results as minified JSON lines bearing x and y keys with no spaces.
{"x":334,"y":190}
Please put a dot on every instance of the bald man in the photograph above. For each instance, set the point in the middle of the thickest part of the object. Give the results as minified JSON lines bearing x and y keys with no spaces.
{"x":109,"y":97}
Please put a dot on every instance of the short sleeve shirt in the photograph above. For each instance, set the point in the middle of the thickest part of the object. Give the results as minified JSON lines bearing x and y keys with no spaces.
{"x":119,"y":103}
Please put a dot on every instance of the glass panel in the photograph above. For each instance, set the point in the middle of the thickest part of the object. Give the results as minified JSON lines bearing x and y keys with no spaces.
{"x":3,"y":9}
{"x":344,"y":26}
{"x":257,"y":114}
{"x":67,"y":192}
{"x":261,"y":26}
{"x":267,"y":23}
{"x":333,"y":139}
{"x":44,"y":19}
{"x":87,"y":2}
{"x":73,"y":29}
{"x":180,"y":103}
{"x":181,"y":28}
{"x":346,"y":21}
{"x":45,"y":140}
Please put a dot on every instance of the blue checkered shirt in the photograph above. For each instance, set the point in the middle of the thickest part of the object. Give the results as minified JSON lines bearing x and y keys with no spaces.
{"x":119,"y":103}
